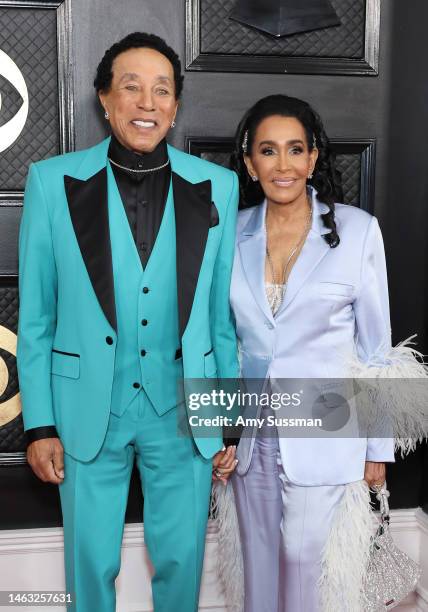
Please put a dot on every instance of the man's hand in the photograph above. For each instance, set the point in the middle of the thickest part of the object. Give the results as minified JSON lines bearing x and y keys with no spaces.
{"x":46,"y":458}
{"x":224,"y":463}
{"x":374,"y":473}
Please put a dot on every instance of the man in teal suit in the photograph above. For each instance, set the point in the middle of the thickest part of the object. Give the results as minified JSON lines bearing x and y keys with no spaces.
{"x":125,"y":261}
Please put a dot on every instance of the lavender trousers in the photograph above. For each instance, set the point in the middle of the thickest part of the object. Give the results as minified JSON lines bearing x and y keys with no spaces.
{"x":283,"y":528}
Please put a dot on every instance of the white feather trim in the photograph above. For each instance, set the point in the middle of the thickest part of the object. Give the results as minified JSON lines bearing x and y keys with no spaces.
{"x":346,"y":552}
{"x":230,"y":566}
{"x":403,"y":405}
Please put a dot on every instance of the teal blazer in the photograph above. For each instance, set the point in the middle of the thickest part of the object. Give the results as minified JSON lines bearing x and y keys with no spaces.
{"x":67,"y":291}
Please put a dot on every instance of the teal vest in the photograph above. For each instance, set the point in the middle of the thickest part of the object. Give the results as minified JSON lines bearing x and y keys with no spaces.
{"x":146,"y":310}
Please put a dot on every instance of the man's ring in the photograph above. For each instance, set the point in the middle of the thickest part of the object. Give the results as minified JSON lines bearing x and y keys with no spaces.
{"x":218,"y":473}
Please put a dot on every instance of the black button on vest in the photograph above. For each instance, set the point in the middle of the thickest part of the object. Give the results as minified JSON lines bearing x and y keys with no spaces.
{"x":109,"y":340}
{"x":144,"y":322}
{"x":136,"y":385}
{"x":143,"y":353}
{"x":145,"y":289}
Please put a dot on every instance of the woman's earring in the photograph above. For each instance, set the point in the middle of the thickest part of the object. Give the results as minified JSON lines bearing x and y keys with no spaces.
{"x":106,"y":115}
{"x":311,"y":176}
{"x":173,"y":124}
{"x":254,"y":178}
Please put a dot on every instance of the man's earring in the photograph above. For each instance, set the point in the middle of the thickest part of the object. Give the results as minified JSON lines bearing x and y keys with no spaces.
{"x":106,"y":115}
{"x":173,"y":124}
{"x":254,"y":178}
{"x":311,"y":176}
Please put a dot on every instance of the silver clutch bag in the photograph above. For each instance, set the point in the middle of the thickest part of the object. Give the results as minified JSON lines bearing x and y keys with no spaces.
{"x":391,"y":574}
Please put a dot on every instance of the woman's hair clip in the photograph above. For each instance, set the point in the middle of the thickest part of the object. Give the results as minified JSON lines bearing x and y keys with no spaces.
{"x":245,"y":142}
{"x":314,"y":141}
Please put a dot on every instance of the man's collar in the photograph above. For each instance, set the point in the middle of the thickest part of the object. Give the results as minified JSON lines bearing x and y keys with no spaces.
{"x":129,"y":159}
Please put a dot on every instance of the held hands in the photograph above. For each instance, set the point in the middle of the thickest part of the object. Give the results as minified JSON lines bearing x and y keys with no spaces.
{"x":46,"y":458}
{"x":374,"y":473}
{"x":224,"y":463}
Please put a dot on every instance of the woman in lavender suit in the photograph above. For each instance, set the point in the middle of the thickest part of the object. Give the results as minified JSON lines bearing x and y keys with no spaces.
{"x":309,"y":287}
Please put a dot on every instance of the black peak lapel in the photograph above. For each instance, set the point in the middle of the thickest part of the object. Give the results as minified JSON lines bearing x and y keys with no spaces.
{"x":88,"y":205}
{"x":192,"y":205}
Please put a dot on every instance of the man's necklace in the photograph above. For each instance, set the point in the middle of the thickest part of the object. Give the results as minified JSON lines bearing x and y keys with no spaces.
{"x":139,"y":171}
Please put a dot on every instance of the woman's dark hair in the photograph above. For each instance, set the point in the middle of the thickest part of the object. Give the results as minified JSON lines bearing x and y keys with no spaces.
{"x":136,"y":40}
{"x":326,"y":179}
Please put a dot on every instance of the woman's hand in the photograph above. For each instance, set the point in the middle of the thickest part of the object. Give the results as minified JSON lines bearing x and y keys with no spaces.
{"x":374,"y":473}
{"x":224,"y":463}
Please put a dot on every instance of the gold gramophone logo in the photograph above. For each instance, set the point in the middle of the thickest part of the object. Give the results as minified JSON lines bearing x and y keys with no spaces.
{"x":11,"y":408}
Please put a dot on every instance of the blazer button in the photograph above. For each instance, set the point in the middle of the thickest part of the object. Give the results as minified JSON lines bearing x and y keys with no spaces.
{"x":109,"y":340}
{"x":145,"y":289}
{"x":144,"y":322}
{"x":136,"y":385}
{"x":143,"y":353}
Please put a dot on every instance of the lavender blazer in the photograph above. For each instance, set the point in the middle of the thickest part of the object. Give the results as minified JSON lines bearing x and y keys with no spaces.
{"x":336,"y":304}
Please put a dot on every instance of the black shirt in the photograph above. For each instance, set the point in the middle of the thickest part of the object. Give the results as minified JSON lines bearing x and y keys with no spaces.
{"x":143,"y":194}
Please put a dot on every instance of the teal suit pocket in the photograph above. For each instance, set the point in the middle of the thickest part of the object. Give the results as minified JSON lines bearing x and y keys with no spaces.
{"x":210,"y":366}
{"x":65,"y":364}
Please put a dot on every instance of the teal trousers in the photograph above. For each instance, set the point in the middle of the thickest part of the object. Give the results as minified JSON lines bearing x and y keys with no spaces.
{"x":176,"y":483}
